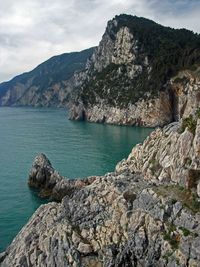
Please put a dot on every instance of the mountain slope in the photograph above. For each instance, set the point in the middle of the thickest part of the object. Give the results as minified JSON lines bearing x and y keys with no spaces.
{"x":129,"y":75}
{"x":49,"y":84}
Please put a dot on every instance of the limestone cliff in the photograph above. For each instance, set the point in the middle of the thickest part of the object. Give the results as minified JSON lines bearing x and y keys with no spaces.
{"x":141,"y":73}
{"x":130,"y":78}
{"x":146,"y":213}
{"x":169,"y":156}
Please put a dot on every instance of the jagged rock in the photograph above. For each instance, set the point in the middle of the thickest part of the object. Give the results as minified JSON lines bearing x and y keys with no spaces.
{"x":121,"y":84}
{"x":147,"y":212}
{"x":167,"y":155}
{"x":84,"y":248}
{"x":118,"y":219}
{"x":49,"y":182}
{"x":143,"y":113}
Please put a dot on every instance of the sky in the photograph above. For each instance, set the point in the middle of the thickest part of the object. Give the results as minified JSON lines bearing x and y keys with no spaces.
{"x":31,"y":31}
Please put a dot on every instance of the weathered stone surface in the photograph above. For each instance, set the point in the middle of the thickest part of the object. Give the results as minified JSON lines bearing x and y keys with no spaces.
{"x":167,"y":155}
{"x":177,"y":98}
{"x":50,"y":183}
{"x":118,"y":219}
{"x":153,"y":112}
{"x":186,"y":93}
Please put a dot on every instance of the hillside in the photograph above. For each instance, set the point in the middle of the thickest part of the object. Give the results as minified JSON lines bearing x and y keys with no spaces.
{"x":129,"y":75}
{"x":49,"y":84}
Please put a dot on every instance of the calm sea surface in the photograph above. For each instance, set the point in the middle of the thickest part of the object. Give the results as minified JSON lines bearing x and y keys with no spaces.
{"x":75,"y":149}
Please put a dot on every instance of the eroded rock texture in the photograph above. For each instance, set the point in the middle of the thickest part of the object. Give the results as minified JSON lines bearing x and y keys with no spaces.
{"x":135,"y":77}
{"x":125,"y":218}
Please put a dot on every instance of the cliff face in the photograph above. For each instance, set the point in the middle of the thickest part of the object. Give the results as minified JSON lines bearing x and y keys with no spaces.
{"x":169,"y":155}
{"x":146,"y":213}
{"x":141,"y":73}
{"x":49,"y":84}
{"x":130,"y":77}
{"x":185,"y":89}
{"x":152,"y":112}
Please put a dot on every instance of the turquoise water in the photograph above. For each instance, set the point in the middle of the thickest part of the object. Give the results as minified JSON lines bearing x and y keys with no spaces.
{"x":76,"y":149}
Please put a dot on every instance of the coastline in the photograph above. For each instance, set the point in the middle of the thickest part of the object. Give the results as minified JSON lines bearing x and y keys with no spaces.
{"x":118,"y":218}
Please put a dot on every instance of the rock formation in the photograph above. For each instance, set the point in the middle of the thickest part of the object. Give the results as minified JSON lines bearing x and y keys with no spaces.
{"x":168,"y":155}
{"x":146,"y":213}
{"x":141,"y":73}
{"x":50,"y":183}
{"x":134,"y":78}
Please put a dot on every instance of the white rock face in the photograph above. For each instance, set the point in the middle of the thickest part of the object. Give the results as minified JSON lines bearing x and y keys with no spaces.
{"x":125,"y":47}
{"x":150,"y":113}
{"x":116,"y":220}
{"x":168,"y":155}
{"x":186,"y":91}
{"x":120,"y":50}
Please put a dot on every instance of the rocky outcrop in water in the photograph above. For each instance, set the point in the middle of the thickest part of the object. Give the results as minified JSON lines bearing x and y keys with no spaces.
{"x":146,"y":213}
{"x":50,"y":183}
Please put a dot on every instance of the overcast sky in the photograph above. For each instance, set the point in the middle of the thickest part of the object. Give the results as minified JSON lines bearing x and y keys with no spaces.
{"x":31,"y":31}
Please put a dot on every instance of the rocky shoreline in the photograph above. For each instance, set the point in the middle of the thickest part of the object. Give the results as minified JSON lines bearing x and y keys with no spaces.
{"x":146,"y":113}
{"x":145,"y":213}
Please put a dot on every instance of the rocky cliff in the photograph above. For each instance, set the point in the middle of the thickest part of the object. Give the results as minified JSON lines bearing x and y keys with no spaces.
{"x":49,"y":84}
{"x":131,"y":77}
{"x":141,"y":73}
{"x":146,"y":213}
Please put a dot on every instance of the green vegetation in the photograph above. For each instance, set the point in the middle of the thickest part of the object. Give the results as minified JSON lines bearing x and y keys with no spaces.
{"x":189,"y":123}
{"x":188,"y":199}
{"x":197,"y":113}
{"x":168,"y":51}
{"x":167,"y":255}
{"x":56,"y":69}
{"x":172,"y":237}
{"x":185,"y":231}
{"x":154,"y":166}
{"x":194,"y":205}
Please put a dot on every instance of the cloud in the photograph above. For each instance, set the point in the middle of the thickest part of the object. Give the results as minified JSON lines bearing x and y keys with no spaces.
{"x":33,"y":31}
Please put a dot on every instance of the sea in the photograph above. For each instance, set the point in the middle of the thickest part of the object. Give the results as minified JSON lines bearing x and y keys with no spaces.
{"x":75,"y":149}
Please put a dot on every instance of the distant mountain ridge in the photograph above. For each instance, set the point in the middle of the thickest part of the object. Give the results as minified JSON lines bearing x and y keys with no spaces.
{"x":49,"y":84}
